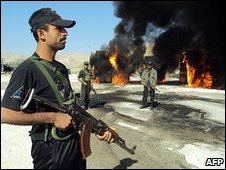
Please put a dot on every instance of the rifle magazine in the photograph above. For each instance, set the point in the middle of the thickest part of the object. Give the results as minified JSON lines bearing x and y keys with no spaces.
{"x":85,"y":141}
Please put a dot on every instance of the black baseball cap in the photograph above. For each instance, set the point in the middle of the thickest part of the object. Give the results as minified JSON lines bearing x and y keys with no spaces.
{"x":47,"y":15}
{"x":86,"y":63}
{"x":149,"y":63}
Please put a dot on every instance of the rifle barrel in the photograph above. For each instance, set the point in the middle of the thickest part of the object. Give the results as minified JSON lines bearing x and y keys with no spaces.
{"x":119,"y":141}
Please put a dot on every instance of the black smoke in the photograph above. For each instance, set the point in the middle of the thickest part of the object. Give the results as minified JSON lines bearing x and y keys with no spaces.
{"x":185,"y":26}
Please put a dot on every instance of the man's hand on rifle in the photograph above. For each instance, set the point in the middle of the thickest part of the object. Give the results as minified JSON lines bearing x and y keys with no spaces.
{"x":107,"y":136}
{"x":156,"y":89}
{"x":61,"y":120}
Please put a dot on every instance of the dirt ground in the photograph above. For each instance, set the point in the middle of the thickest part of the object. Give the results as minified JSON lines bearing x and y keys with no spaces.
{"x":186,"y":127}
{"x":170,"y":136}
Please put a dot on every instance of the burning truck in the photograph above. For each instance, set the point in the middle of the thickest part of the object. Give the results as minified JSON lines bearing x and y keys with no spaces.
{"x":108,"y":68}
{"x":196,"y":69}
{"x":101,"y":67}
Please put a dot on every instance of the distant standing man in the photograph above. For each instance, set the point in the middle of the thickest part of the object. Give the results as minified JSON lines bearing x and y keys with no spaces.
{"x":85,"y":76}
{"x":149,"y":80}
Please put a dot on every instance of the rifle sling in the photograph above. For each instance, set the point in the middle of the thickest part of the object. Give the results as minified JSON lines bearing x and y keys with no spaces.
{"x":41,"y":65}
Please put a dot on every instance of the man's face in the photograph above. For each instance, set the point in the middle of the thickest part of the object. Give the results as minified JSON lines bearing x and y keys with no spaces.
{"x":149,"y":66}
{"x":86,"y":66}
{"x":55,"y":37}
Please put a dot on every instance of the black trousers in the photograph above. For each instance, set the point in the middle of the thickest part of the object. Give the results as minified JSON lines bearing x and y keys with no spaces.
{"x":85,"y":96}
{"x":54,"y":154}
{"x":148,"y":91}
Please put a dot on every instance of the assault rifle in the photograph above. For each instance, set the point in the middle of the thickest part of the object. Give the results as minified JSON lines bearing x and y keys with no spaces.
{"x":154,"y":88}
{"x":157,"y":90}
{"x":91,"y":87}
{"x":85,"y":120}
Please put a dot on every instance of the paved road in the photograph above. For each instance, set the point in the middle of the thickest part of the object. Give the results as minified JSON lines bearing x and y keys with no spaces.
{"x":159,"y":145}
{"x":179,"y":133}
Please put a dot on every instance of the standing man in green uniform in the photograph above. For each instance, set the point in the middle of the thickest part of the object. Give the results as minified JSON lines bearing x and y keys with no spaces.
{"x":149,"y":80}
{"x":85,"y":76}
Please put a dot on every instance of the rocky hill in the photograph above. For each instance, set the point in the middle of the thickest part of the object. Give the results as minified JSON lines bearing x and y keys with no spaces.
{"x":73,"y":60}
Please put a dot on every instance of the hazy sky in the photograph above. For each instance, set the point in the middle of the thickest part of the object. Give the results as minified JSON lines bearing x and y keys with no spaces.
{"x":95,"y":23}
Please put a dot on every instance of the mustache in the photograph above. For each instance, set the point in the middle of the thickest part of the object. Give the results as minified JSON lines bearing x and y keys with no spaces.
{"x":63,"y":39}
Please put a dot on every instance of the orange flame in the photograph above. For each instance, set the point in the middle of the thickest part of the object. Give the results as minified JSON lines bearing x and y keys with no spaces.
{"x":112,"y":60}
{"x":201,"y":78}
{"x":162,"y":81}
{"x":120,"y":78}
{"x":97,"y":80}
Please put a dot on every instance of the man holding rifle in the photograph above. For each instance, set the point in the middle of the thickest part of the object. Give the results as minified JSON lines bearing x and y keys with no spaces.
{"x":49,"y":79}
{"x":149,"y":81}
{"x":85,"y":76}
